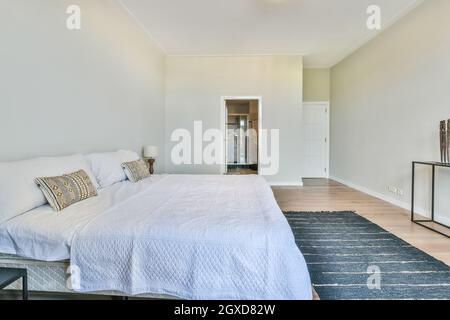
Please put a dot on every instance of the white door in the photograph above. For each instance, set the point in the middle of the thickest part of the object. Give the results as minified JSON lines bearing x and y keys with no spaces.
{"x":315,"y":139}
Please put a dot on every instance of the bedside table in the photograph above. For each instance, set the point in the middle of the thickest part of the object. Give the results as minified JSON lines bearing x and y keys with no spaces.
{"x":9,"y":276}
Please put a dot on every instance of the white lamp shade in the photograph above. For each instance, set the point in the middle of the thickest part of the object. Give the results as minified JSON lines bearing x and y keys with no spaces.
{"x":151,"y":152}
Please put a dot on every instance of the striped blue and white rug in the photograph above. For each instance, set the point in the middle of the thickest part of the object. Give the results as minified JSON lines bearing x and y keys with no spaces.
{"x":350,"y":257}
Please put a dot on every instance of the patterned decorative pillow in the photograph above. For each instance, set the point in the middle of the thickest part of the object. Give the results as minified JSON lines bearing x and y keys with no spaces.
{"x":136,"y":170}
{"x":63,"y":191}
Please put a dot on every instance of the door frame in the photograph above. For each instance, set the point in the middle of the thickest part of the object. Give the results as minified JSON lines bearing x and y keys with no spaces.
{"x":223,"y":127}
{"x":327,"y":133}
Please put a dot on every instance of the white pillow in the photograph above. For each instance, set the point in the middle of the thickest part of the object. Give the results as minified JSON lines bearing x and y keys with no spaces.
{"x":19,"y":192}
{"x":107,"y":167}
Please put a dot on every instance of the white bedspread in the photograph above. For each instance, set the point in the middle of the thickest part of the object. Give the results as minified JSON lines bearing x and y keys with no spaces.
{"x":46,"y":235}
{"x":192,"y":237}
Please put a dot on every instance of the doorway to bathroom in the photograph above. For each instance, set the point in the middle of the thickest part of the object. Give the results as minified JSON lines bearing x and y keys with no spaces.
{"x":242,"y":118}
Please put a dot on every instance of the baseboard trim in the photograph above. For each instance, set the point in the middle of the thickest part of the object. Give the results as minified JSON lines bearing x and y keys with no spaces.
{"x":395,"y":202}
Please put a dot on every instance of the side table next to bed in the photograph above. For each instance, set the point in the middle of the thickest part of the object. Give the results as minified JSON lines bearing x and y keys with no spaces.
{"x":10,"y":275}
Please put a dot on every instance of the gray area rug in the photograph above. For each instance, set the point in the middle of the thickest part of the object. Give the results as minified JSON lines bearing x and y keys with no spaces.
{"x":350,"y":257}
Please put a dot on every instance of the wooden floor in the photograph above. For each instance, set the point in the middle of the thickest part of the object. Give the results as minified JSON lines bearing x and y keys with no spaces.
{"x":241,"y":171}
{"x":328,"y":195}
{"x":235,"y":172}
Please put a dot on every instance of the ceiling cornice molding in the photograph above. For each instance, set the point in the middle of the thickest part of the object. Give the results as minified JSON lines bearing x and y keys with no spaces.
{"x":236,"y":55}
{"x":367,"y":38}
{"x":315,"y":67}
{"x":142,"y":27}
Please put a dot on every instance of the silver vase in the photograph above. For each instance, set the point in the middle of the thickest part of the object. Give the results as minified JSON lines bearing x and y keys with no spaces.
{"x":443,"y":136}
{"x":447,"y":143}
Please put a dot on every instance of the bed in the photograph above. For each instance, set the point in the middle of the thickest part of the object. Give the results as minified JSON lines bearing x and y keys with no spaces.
{"x":182,"y":236}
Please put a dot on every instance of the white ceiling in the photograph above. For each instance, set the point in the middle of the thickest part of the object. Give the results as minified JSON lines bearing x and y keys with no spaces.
{"x":324,"y":31}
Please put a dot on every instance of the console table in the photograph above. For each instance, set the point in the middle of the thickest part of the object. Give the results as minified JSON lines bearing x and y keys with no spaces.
{"x":422,"y":222}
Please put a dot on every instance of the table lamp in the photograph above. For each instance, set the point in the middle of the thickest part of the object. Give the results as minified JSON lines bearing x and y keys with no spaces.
{"x":151,"y":153}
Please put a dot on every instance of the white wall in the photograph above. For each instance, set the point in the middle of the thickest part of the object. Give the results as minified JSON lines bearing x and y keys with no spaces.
{"x":387,"y":101}
{"x":316,"y":85}
{"x":194,"y":86}
{"x":100,"y":88}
